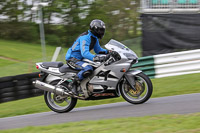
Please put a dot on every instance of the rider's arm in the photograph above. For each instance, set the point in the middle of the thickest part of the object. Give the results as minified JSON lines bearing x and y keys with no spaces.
{"x":85,"y":49}
{"x":98,"y":48}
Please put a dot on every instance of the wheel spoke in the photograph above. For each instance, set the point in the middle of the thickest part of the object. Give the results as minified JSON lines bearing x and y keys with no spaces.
{"x":68,"y":100}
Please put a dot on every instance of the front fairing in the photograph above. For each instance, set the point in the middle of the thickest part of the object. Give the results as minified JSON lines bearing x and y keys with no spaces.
{"x":123,"y":50}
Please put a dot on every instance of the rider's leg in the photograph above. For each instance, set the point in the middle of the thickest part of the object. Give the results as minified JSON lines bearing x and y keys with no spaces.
{"x":73,"y":85}
{"x":86,"y":70}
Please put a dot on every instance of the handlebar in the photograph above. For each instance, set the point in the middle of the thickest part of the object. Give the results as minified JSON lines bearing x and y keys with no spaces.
{"x":107,"y":56}
{"x":113,"y":54}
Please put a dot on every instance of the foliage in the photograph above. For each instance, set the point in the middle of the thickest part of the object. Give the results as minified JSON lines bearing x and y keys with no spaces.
{"x":27,"y":32}
{"x":52,"y":39}
{"x":73,"y":18}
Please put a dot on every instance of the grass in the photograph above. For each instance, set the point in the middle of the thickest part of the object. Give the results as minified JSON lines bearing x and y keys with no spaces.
{"x":19,"y":57}
{"x":23,"y":51}
{"x":4,"y":62}
{"x":168,"y":86}
{"x":184,"y":84}
{"x":187,"y":123}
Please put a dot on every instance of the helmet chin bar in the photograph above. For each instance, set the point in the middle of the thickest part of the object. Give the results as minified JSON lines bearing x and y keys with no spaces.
{"x":100,"y":36}
{"x":97,"y":27}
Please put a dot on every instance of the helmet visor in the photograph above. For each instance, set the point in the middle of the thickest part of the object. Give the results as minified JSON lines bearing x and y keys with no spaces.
{"x":101,"y":32}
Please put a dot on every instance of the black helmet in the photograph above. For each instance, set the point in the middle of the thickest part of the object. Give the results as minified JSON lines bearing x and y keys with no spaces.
{"x":97,"y":27}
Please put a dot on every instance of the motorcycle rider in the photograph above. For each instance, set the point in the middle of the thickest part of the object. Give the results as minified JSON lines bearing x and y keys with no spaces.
{"x":80,"y":50}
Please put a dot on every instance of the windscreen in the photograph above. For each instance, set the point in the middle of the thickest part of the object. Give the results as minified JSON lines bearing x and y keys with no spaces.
{"x":118,"y":44}
{"x":121,"y":49}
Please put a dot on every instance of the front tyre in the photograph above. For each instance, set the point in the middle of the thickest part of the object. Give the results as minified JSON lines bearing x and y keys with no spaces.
{"x":58,"y":104}
{"x":143,"y":86}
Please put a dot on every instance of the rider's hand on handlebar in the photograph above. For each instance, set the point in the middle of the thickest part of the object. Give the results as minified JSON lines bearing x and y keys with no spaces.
{"x":99,"y":58}
{"x":113,"y":53}
{"x":109,"y":51}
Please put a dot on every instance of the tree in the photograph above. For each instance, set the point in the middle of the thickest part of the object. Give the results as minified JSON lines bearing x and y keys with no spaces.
{"x":12,"y":9}
{"x":121,"y":18}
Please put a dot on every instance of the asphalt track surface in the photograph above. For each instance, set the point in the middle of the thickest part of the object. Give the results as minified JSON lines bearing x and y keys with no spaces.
{"x":180,"y":104}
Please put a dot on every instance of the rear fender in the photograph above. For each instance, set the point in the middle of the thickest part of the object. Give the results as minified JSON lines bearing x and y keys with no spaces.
{"x":51,"y":78}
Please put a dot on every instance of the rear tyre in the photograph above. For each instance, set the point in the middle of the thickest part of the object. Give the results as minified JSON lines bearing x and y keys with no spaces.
{"x":58,"y":104}
{"x":143,"y":86}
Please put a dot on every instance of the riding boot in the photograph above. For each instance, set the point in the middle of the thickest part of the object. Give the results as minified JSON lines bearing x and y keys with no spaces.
{"x":73,"y":85}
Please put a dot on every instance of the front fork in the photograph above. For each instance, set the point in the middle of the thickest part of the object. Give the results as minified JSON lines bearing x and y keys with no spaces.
{"x":130,"y":77}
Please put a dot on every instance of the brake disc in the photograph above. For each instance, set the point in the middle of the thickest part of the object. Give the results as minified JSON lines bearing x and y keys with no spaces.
{"x":139,"y":89}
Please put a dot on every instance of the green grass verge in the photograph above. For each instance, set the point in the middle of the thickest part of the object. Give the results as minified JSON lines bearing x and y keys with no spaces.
{"x":4,"y":62}
{"x":19,"y":57}
{"x":168,"y":86}
{"x":187,"y":123}
{"x":23,"y":51}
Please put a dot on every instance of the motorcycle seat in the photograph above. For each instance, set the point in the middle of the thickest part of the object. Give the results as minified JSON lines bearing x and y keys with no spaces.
{"x":65,"y":68}
{"x":52,"y":64}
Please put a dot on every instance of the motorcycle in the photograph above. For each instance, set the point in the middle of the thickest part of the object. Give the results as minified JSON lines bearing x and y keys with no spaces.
{"x":110,"y":79}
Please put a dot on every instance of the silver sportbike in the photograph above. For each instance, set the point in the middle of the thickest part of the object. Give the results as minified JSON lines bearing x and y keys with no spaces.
{"x":111,"y":78}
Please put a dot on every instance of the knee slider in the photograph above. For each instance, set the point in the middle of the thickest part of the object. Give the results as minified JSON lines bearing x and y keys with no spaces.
{"x":87,"y":73}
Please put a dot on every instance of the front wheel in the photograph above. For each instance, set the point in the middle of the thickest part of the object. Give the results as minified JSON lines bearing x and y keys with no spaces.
{"x":143,"y":90}
{"x":57,"y":103}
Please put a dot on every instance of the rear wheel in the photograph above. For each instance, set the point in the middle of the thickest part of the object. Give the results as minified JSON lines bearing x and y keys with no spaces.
{"x":143,"y":90}
{"x":58,"y":103}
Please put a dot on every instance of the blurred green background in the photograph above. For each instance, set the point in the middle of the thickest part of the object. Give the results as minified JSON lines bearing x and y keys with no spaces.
{"x":64,"y":20}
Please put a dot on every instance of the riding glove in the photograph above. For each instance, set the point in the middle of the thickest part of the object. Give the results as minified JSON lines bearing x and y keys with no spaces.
{"x":99,"y":59}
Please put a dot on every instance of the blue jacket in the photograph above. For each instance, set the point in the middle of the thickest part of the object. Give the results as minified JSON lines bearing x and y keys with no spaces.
{"x":82,"y":46}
